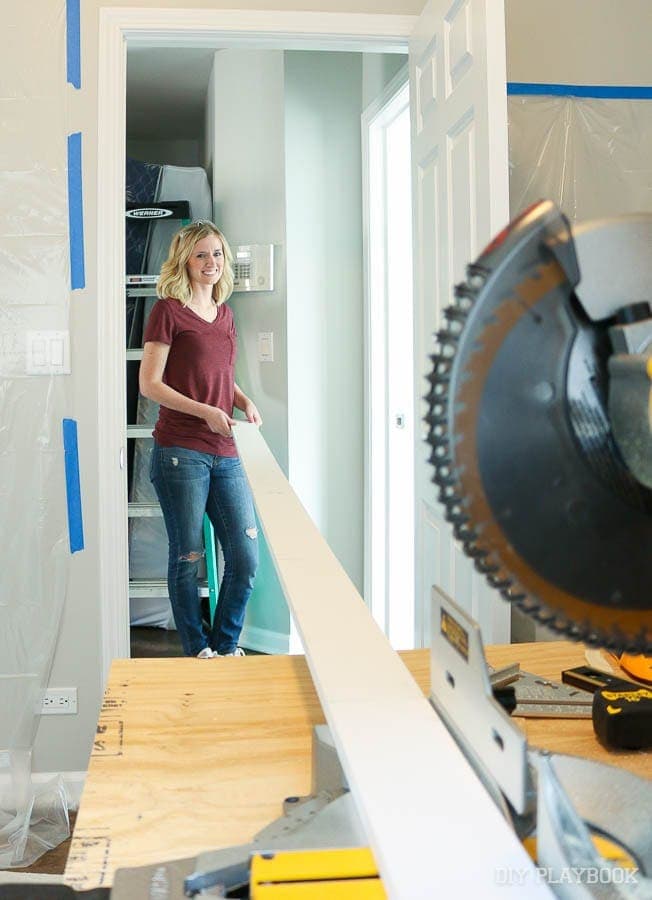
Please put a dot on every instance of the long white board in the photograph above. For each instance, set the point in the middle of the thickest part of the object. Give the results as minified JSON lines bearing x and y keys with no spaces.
{"x":430,"y":823}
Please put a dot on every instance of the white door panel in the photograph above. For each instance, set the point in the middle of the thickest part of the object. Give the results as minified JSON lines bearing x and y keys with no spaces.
{"x":460,"y":198}
{"x":432,"y":541}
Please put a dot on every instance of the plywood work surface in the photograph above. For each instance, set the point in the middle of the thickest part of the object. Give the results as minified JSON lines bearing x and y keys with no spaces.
{"x":192,"y":755}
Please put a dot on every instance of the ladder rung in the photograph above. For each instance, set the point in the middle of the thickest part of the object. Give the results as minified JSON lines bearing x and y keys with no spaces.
{"x":139,"y":587}
{"x":143,"y":510}
{"x":139,"y":431}
{"x":136,"y":291}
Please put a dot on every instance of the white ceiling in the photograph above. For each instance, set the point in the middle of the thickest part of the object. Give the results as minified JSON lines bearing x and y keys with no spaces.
{"x":166,"y":92}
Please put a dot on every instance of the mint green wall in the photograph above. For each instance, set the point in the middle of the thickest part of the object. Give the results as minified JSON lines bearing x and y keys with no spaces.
{"x":323,"y":104}
{"x":286,"y":165}
{"x":248,"y":158}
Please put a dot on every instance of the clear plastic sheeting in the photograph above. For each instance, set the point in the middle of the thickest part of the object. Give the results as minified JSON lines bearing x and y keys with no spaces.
{"x":40,"y":815}
{"x":34,"y":300}
{"x":34,"y":563}
{"x":590,"y":156}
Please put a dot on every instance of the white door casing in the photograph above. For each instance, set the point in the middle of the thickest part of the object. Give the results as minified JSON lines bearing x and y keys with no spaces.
{"x":389,"y":381}
{"x":355,"y":32}
{"x":460,"y":199}
{"x":462,"y":39}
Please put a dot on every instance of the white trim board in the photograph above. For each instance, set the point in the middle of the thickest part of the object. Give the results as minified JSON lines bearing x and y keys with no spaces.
{"x":417,"y":795}
{"x":170,"y":27}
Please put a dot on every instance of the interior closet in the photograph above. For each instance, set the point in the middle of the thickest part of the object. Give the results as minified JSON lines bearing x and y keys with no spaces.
{"x":165,"y":188}
{"x":273,"y":156}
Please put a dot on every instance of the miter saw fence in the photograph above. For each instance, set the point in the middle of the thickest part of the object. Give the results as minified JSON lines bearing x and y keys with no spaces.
{"x":543,"y":469}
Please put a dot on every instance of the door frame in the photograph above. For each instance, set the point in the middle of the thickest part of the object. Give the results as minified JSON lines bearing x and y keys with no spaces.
{"x":244,"y":29}
{"x":374,"y":213}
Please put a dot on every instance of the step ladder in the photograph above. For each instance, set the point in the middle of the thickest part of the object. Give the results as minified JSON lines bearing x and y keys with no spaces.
{"x":158,"y":588}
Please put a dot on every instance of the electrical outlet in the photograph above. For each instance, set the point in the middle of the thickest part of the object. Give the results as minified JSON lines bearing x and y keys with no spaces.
{"x":59,"y":701}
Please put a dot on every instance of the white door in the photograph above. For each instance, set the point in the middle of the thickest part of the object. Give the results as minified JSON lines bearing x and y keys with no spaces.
{"x":460,"y":199}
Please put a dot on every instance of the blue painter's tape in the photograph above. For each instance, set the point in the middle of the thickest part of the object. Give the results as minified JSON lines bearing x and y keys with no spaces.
{"x":591,"y":91}
{"x":75,"y":211}
{"x":73,"y":489}
{"x":73,"y":43}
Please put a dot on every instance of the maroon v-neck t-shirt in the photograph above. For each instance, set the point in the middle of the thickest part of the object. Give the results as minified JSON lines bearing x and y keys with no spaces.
{"x":200,"y":365}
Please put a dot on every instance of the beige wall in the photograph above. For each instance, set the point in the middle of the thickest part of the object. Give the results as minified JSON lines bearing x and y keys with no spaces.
{"x":579,"y":41}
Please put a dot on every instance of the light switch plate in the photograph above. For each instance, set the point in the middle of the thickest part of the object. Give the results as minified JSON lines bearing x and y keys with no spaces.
{"x":48,"y":353}
{"x":266,"y":346}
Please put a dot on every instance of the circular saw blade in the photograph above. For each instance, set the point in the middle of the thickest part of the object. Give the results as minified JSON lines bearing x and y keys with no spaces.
{"x":524,"y":457}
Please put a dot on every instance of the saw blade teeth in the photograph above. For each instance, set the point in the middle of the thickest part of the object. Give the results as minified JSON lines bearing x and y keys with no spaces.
{"x":512,"y":594}
{"x":499,"y":581}
{"x":487,"y":568}
{"x":456,"y":520}
{"x":463,"y":305}
{"x":455,"y":325}
{"x":447,"y":342}
{"x":476,"y":276}
{"x":460,"y":311}
{"x":436,"y":420}
{"x":476,"y":552}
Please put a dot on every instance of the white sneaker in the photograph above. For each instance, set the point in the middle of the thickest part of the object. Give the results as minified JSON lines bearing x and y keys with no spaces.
{"x":206,"y":653}
{"x":237,"y":652}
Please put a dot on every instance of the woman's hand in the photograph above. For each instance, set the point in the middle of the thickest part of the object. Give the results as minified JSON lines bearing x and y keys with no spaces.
{"x":218,"y":421}
{"x":252,"y":413}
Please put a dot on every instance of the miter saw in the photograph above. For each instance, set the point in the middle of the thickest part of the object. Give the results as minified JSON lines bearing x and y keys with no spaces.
{"x":541,"y":422}
{"x":540,"y":418}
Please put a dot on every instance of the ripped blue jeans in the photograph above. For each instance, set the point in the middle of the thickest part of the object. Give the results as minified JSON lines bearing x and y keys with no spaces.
{"x":189,"y":483}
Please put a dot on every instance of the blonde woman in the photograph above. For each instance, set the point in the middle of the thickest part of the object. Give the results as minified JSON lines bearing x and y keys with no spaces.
{"x":188,"y":368}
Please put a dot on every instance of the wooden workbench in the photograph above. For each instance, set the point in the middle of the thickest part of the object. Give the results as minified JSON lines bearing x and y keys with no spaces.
{"x":191,"y":755}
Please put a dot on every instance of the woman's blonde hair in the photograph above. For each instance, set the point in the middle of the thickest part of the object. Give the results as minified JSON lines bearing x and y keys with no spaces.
{"x":173,"y":280}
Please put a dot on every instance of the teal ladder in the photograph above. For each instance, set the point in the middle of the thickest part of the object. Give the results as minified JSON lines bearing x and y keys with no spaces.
{"x":211,"y":565}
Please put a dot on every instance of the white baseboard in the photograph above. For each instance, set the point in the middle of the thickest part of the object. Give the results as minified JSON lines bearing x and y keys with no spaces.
{"x":263,"y":640}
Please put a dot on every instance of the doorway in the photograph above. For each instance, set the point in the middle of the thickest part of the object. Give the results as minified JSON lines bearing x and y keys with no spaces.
{"x":117,"y":630}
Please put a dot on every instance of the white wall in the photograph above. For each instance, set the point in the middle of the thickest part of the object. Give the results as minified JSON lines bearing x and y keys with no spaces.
{"x":323,"y":94}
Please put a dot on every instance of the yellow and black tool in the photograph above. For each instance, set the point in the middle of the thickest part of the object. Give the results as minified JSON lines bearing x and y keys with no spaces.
{"x":346,"y":874}
{"x":622,"y":716}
